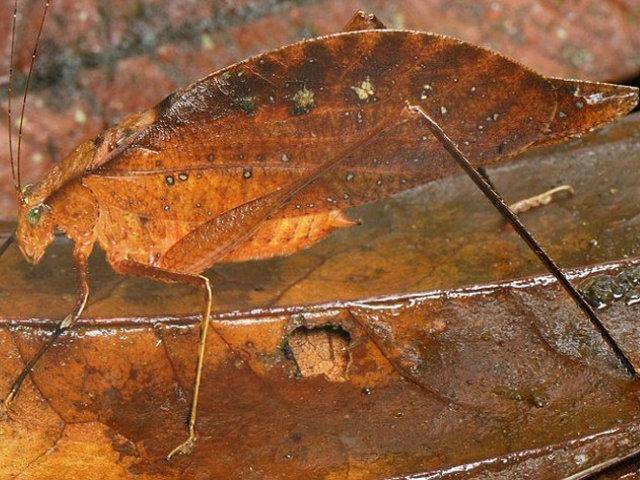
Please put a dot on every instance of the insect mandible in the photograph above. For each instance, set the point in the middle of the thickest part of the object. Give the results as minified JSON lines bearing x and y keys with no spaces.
{"x":231,"y":167}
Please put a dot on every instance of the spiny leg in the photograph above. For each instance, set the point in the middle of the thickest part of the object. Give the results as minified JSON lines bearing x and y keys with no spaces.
{"x":501,"y":206}
{"x":198,"y":281}
{"x":483,"y":171}
{"x":80,"y":261}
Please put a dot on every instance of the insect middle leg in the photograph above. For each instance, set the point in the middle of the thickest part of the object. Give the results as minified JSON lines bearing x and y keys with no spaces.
{"x":130,"y":268}
{"x":80,"y":260}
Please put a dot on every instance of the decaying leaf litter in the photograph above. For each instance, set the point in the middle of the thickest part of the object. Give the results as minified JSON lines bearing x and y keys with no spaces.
{"x":485,"y":349}
{"x":304,"y":102}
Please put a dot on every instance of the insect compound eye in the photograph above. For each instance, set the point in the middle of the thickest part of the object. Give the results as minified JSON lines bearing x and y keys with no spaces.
{"x":33,"y":215}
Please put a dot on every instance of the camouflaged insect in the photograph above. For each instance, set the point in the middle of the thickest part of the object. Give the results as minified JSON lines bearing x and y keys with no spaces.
{"x":264,"y":157}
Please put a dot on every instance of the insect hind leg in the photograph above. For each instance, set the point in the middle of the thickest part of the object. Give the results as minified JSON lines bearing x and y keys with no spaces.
{"x":510,"y":216}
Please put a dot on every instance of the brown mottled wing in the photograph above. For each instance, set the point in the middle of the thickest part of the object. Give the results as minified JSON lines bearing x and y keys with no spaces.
{"x":217,"y":238}
{"x":264,"y":123}
{"x":582,"y":106}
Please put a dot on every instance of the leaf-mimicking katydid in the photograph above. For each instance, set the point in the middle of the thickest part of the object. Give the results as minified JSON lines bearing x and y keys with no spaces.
{"x":263,"y":157}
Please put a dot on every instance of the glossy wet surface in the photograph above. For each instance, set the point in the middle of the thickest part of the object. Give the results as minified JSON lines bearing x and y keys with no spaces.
{"x":503,"y":381}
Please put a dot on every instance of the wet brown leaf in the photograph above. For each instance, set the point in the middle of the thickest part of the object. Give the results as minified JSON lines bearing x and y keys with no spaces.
{"x":492,"y":385}
{"x":515,"y":383}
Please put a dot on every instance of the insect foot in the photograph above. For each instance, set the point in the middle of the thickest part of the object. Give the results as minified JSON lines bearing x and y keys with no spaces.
{"x":533,"y":244}
{"x":184,"y":448}
{"x":7,"y":402}
{"x":4,"y":410}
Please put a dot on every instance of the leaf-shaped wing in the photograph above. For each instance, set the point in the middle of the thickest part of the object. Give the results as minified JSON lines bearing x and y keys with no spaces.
{"x":262,"y":124}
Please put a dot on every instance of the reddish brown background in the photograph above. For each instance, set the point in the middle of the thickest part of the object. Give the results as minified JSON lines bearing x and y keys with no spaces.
{"x":541,"y":395}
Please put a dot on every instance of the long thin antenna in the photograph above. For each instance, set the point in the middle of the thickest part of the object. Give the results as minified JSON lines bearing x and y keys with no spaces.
{"x":26,"y":87}
{"x":502,"y":207}
{"x":10,"y":93}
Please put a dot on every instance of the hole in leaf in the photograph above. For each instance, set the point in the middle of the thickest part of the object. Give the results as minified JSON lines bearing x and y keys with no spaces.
{"x":320,"y":351}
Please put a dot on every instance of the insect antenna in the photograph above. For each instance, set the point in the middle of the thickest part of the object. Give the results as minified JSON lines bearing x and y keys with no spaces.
{"x":502,"y":207}
{"x":34,"y":55}
{"x":9,"y":95}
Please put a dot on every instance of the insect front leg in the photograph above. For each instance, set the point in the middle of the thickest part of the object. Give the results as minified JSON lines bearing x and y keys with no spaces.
{"x":80,"y":260}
